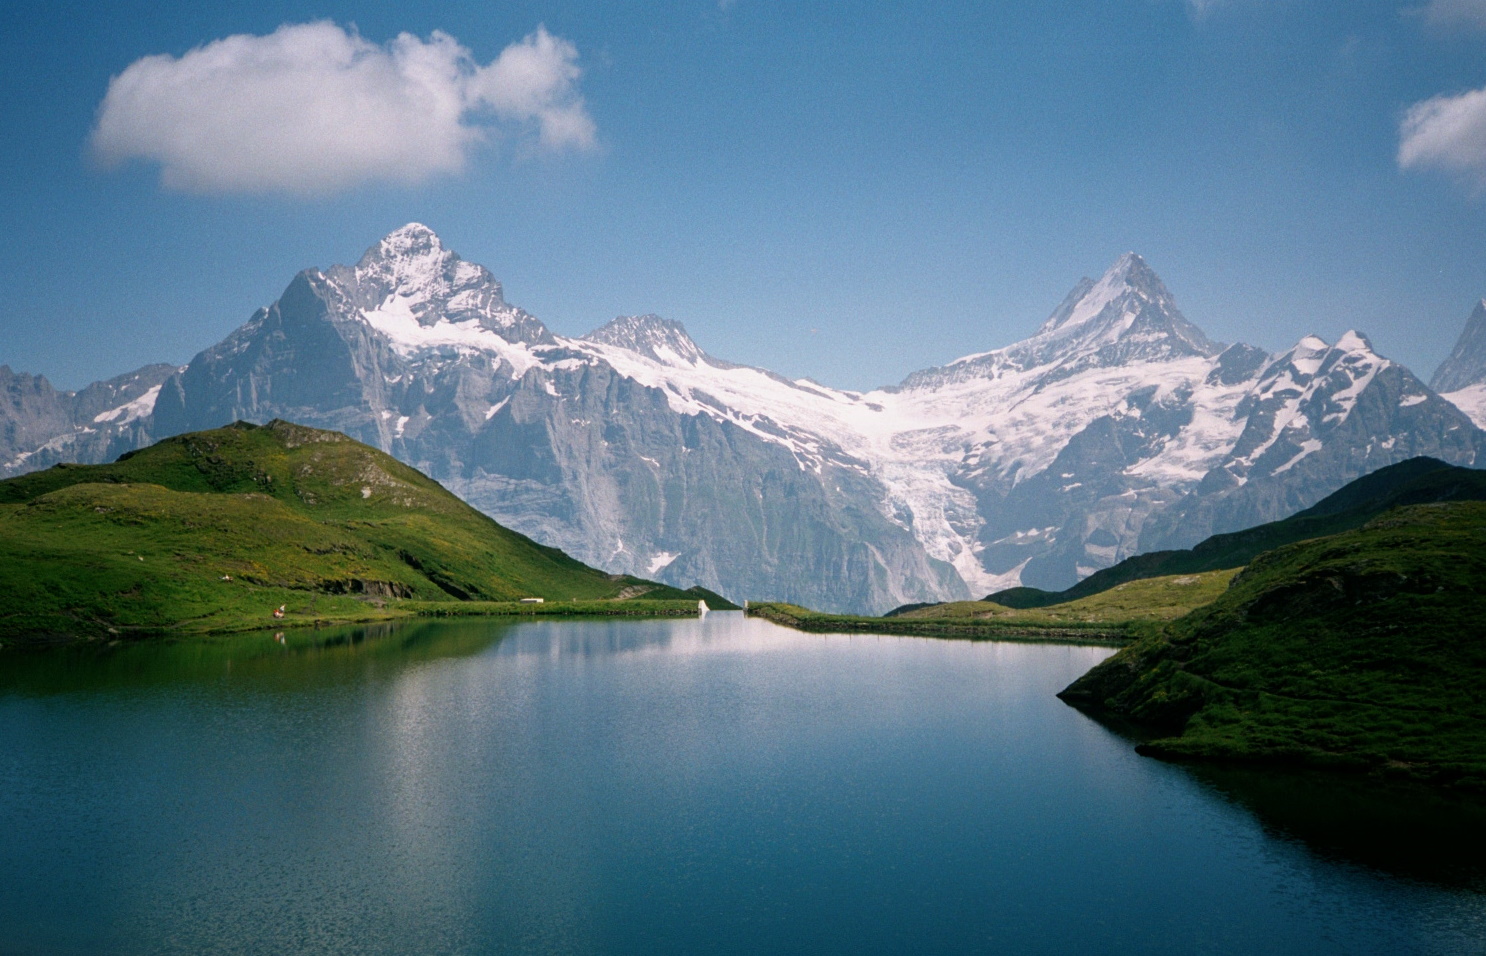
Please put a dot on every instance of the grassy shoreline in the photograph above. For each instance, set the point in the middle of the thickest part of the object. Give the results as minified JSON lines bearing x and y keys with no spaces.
{"x":804,"y":619}
{"x":1362,"y":651}
{"x":634,"y":607}
{"x":393,"y":612}
{"x":1113,"y":618}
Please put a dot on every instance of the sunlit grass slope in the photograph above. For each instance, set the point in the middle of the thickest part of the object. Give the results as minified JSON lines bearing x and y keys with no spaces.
{"x":1118,"y":615}
{"x":1363,"y":650}
{"x":310,"y":519}
{"x":1149,"y":599}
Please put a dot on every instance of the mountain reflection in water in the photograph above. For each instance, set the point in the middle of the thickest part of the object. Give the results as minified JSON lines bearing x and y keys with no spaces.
{"x":716,"y":786}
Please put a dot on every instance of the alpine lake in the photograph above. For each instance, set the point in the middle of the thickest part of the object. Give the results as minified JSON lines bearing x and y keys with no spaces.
{"x":720,"y":785}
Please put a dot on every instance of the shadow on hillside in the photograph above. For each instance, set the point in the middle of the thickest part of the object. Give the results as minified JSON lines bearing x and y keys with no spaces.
{"x":1407,"y":830}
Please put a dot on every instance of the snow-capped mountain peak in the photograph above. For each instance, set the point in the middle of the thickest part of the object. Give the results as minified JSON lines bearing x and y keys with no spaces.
{"x":412,"y":264}
{"x":1115,"y":428}
{"x":1312,"y":356}
{"x":423,"y":296}
{"x":1301,"y":398}
{"x":664,"y":340}
{"x":1089,"y":299}
{"x":1124,"y":319}
{"x":1127,"y":315}
{"x":414,"y":234}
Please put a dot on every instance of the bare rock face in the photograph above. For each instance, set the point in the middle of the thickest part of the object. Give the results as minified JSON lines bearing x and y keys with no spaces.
{"x":1466,"y":364}
{"x":416,"y":352}
{"x":40,"y":426}
{"x":1117,"y":427}
{"x":1461,"y":378}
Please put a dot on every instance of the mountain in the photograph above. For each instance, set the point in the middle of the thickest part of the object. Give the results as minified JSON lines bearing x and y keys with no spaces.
{"x":1315,"y":418}
{"x":213,"y":529}
{"x":660,"y":340}
{"x":1117,"y":427}
{"x":1359,"y":651}
{"x":1416,"y":481}
{"x":1461,"y":378}
{"x":40,"y":426}
{"x":610,"y":447}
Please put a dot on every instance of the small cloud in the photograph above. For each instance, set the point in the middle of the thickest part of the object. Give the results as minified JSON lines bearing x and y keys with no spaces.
{"x":1447,"y":133}
{"x":537,"y":80}
{"x":1470,"y":14}
{"x":1197,"y":9}
{"x":315,"y":108}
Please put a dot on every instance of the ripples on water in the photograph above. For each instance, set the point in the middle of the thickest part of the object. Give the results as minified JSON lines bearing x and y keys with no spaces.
{"x":722,"y":786}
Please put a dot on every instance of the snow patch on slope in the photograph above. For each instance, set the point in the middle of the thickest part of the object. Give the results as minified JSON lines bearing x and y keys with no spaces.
{"x":661,"y":561}
{"x":1471,"y":400}
{"x":130,"y":411}
{"x":395,"y":319}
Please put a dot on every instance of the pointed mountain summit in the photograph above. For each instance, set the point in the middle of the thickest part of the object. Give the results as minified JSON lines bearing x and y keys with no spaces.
{"x":664,"y":340}
{"x":1088,"y":299}
{"x":1128,"y":315}
{"x":1466,"y":364}
{"x":341,"y":346}
{"x":1125,"y":318}
{"x":410,"y":274}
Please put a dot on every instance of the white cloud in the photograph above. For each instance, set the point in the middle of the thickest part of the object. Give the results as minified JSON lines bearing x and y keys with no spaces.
{"x":314,"y":108}
{"x":1446,"y":133}
{"x":537,"y":79}
{"x":1201,"y":8}
{"x":1455,"y":13}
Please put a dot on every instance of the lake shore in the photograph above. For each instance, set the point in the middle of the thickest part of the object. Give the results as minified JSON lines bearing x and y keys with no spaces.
{"x":343,"y":611}
{"x":804,"y":619}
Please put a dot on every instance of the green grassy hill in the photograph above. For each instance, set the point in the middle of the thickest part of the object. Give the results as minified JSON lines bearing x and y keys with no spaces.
{"x":1148,"y":599}
{"x":1115,"y":616}
{"x":1364,"y":650}
{"x":1416,"y":481}
{"x":213,"y":530}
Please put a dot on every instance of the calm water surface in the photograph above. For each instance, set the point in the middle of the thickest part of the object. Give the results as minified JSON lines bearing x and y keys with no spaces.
{"x":722,"y":786}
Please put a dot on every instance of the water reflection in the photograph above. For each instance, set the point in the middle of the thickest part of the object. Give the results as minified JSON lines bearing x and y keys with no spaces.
{"x":308,"y":655}
{"x":688,"y":786}
{"x":1406,"y":830}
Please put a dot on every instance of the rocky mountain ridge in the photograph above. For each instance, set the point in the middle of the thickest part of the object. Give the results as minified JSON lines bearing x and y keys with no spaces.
{"x":40,"y":426}
{"x":1117,"y":427}
{"x":1461,"y":377}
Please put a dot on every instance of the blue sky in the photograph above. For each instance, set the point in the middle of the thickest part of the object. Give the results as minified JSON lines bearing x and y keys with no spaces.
{"x":844,"y":191}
